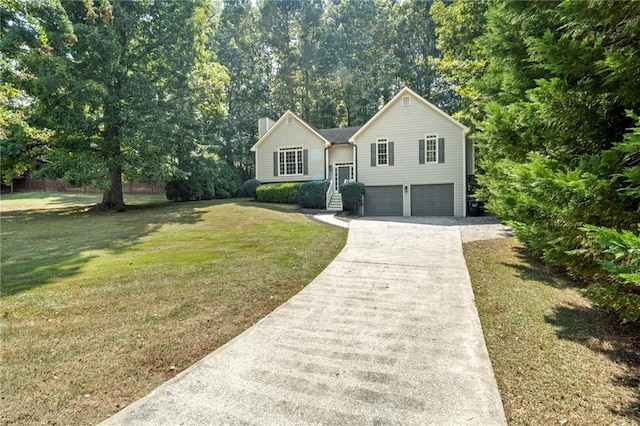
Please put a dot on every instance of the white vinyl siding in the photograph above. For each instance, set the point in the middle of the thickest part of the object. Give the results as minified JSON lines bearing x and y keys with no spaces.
{"x":285,"y":136}
{"x":431,"y":148}
{"x":341,"y":154}
{"x":291,"y":161}
{"x":406,"y":127}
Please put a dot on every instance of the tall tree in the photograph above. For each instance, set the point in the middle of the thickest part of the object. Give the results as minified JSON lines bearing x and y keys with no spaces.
{"x":119,"y":98}
{"x":417,"y":51}
{"x":358,"y":57}
{"x":458,"y":28}
{"x":241,"y":50}
{"x":552,"y":88}
{"x":33,"y":37}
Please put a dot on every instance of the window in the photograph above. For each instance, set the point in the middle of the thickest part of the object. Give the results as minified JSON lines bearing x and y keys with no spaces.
{"x":406,"y":101}
{"x":382,"y":151}
{"x":290,"y":161}
{"x":431,"y":148}
{"x":289,"y":121}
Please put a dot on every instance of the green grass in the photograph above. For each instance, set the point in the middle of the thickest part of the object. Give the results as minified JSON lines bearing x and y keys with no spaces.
{"x":99,"y":308}
{"x":54,"y":200}
{"x":557,"y":358}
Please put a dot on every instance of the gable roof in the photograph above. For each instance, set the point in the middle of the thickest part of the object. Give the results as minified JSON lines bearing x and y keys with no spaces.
{"x":340,"y":135}
{"x":406,"y":91}
{"x":279,"y":123}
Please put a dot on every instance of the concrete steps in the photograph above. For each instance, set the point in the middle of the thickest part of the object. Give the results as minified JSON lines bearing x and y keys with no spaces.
{"x":335,"y":204}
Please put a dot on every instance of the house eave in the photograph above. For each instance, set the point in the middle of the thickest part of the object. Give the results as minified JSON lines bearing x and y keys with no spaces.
{"x":388,"y":105}
{"x":278,"y":123}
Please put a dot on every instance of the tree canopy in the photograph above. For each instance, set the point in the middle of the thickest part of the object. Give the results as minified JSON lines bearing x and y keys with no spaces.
{"x":334,"y":63}
{"x":113,"y":98}
{"x":550,"y":89}
{"x":166,"y":90}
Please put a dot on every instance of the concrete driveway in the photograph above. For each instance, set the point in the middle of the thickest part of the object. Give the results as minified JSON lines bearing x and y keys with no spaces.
{"x":388,"y":333}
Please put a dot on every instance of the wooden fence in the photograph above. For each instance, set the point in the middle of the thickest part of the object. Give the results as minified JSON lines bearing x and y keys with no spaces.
{"x":32,"y":184}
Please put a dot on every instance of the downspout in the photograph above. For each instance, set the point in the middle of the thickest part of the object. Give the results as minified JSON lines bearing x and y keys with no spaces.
{"x":464,"y":174}
{"x":355,"y":161}
{"x":326,"y":162}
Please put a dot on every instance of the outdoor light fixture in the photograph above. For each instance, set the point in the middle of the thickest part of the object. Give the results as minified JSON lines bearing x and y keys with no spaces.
{"x":406,"y":188}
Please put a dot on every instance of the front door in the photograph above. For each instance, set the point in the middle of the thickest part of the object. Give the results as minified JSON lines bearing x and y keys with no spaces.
{"x":344,"y":174}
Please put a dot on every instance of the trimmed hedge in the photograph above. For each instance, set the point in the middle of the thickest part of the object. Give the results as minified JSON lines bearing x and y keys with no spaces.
{"x":248,"y":188}
{"x":352,"y":193}
{"x":286,"y":193}
{"x":312,"y":195}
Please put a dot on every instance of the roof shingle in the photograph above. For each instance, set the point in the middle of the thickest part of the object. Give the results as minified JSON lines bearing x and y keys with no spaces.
{"x":339,"y":135}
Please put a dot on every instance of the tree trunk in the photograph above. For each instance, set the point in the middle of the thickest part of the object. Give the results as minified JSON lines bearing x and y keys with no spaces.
{"x":112,"y":198}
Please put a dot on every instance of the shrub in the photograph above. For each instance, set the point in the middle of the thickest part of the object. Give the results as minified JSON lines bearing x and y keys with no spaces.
{"x":313,"y":195}
{"x":352,"y":193}
{"x":621,"y":261}
{"x":248,"y":188}
{"x":227,"y":180}
{"x":194,"y":181}
{"x":551,"y":207}
{"x":286,"y":193}
{"x":547,"y":204}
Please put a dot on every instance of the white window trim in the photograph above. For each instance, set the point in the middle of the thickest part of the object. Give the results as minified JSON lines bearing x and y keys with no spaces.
{"x":382,"y":141}
{"x":434,"y":137}
{"x":299,"y":151}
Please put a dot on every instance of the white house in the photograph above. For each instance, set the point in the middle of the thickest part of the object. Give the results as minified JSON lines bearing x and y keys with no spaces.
{"x":413,"y":158}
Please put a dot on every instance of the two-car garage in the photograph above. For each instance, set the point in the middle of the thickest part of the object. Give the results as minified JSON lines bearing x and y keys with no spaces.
{"x":426,"y":200}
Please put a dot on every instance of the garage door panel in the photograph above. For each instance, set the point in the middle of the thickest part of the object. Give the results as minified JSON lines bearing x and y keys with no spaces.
{"x":383,"y":200}
{"x":432,"y":200}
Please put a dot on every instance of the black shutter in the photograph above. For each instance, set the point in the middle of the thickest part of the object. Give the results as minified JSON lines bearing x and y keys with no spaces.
{"x":374,"y":155}
{"x":275,"y":163}
{"x":440,"y":150}
{"x":421,"y":151}
{"x":391,"y":153}
{"x":305,"y":161}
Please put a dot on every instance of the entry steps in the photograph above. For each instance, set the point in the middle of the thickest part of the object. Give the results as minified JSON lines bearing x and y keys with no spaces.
{"x":335,"y":204}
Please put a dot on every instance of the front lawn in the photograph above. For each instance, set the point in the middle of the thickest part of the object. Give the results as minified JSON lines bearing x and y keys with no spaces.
{"x":100,"y":308}
{"x":557,"y":358}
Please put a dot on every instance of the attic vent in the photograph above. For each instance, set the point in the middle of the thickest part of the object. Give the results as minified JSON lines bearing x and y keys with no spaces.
{"x":406,"y":100}
{"x":289,"y":121}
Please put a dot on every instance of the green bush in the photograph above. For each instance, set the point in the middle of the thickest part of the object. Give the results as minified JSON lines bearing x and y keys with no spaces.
{"x":248,"y":188}
{"x":621,"y":261}
{"x":313,"y":195}
{"x":550,"y":205}
{"x":547,"y":203}
{"x":352,"y":193}
{"x":286,"y":193}
{"x":194,"y":181}
{"x":227,"y":180}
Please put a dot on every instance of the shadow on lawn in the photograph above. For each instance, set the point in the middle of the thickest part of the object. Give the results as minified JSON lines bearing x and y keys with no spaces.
{"x":590,"y":326}
{"x":42,"y":246}
{"x":600,"y":331}
{"x":531,"y":268}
